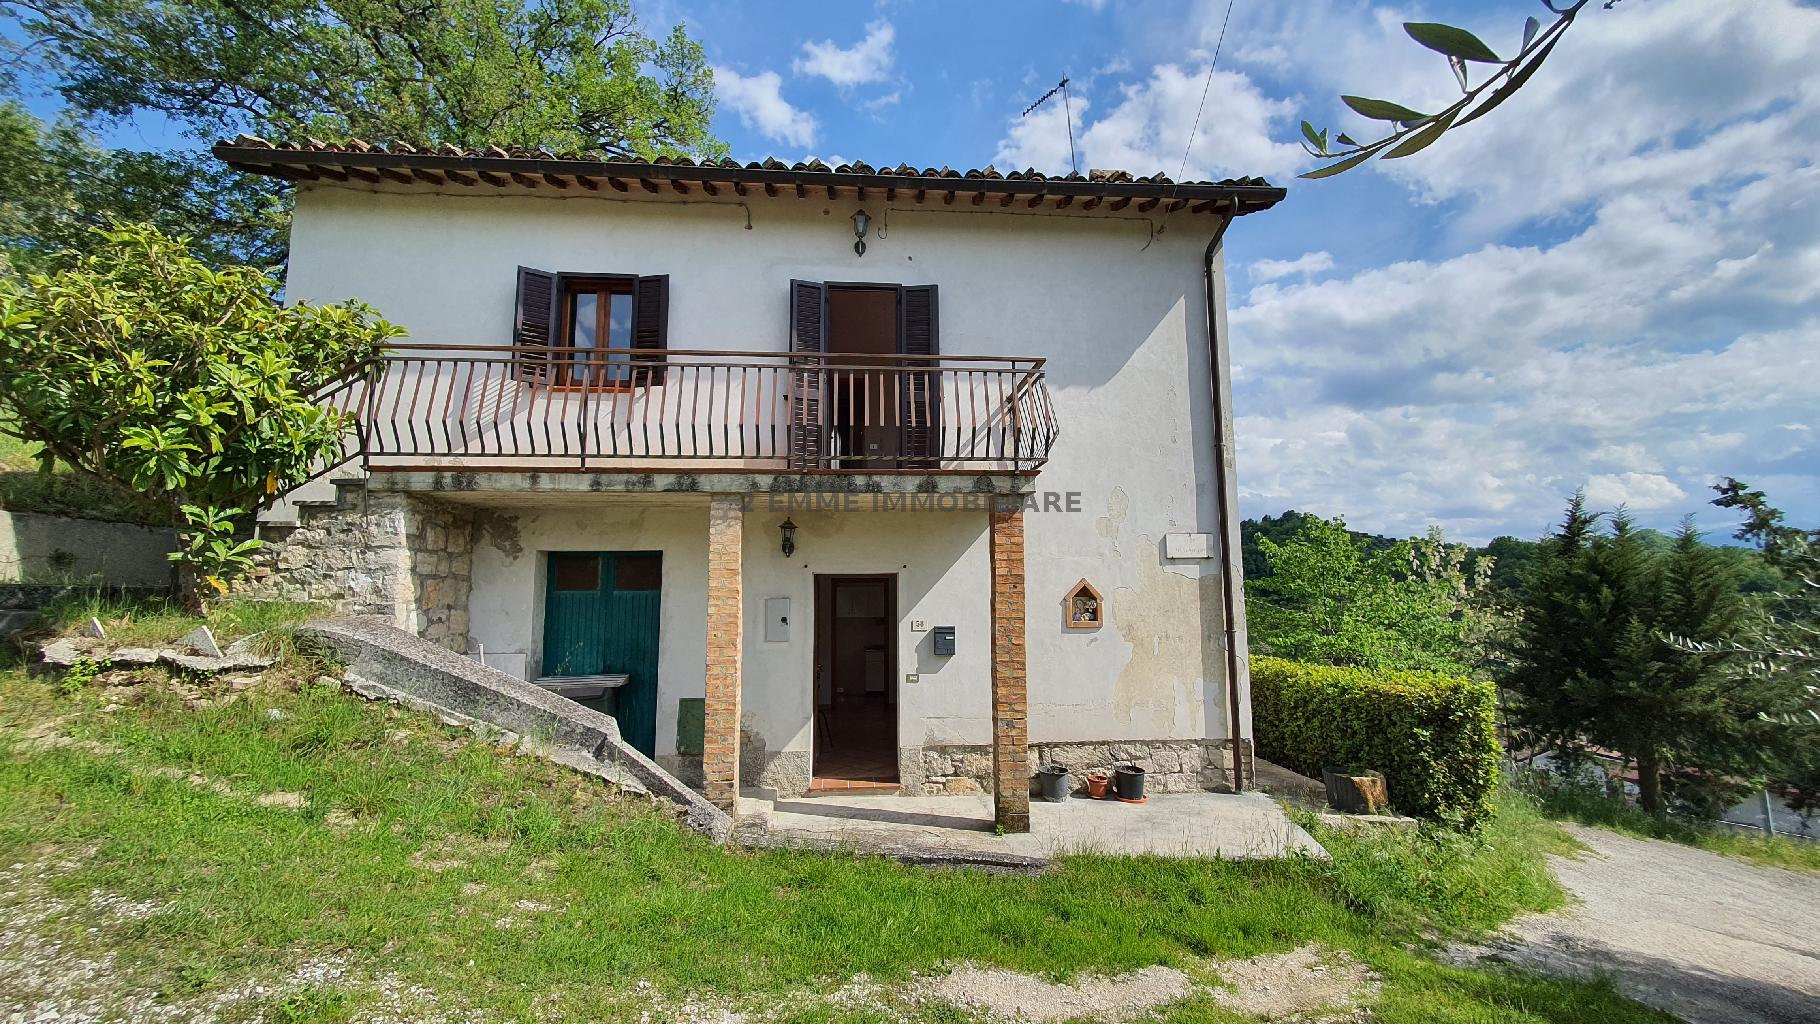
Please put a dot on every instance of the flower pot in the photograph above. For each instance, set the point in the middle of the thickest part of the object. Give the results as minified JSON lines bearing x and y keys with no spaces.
{"x":1052,"y":782}
{"x":1099,"y":785}
{"x":1356,"y":790}
{"x":1128,"y":780}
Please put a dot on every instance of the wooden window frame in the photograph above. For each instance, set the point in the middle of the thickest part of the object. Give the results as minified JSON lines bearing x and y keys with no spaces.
{"x":604,"y":286}
{"x":542,"y":328}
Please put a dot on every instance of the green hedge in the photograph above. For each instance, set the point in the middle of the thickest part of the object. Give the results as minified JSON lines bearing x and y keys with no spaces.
{"x":1432,"y":736}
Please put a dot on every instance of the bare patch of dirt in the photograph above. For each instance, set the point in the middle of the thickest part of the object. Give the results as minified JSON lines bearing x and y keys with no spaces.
{"x":1294,"y":984}
{"x":1010,"y":995}
{"x":288,"y":801}
{"x":1303,"y":984}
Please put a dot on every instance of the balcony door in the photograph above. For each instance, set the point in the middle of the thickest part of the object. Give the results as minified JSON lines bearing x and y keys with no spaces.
{"x":860,"y":405}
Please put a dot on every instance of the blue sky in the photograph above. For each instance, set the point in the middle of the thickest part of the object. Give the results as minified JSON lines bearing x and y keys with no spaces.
{"x":1613,"y":283}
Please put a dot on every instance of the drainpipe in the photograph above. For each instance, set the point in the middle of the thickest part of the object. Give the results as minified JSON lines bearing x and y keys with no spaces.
{"x":1232,"y":590}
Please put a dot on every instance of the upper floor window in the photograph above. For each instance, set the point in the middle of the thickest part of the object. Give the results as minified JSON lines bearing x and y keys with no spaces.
{"x":596,"y":314}
{"x":567,"y":326}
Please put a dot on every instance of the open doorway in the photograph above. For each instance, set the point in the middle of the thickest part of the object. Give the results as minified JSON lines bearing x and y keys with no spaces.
{"x":855,"y":683}
{"x":849,"y":415}
{"x":863,"y":330}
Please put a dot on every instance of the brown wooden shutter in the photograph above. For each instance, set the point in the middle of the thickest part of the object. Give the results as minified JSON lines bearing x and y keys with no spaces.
{"x":650,"y":326}
{"x":917,"y":336}
{"x":534,"y":324}
{"x":808,"y":436}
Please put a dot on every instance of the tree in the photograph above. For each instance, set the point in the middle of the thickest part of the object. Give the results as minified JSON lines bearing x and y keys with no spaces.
{"x":1412,"y":131}
{"x":559,"y":75}
{"x":1511,"y":559}
{"x":1333,"y":597}
{"x":140,"y":365}
{"x":562,"y":75}
{"x":1782,"y":648}
{"x":1595,"y":664}
{"x":57,"y":184}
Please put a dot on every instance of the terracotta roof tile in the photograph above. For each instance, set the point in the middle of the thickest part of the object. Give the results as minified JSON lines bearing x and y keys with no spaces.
{"x":260,"y":156}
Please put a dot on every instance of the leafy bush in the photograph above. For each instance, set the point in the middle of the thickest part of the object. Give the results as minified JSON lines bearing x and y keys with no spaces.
{"x":141,"y":366}
{"x":1431,"y":735}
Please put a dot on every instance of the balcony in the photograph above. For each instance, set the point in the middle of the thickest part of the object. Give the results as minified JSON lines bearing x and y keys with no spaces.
{"x":528,"y":409}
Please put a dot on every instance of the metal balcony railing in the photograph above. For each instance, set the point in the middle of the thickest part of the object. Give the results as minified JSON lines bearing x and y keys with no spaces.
{"x":531,"y":408}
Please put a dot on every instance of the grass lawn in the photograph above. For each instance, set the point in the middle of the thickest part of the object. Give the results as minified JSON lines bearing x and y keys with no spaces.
{"x":67,"y":493}
{"x":412,"y":857}
{"x":1590,"y":806}
{"x":130,"y":622}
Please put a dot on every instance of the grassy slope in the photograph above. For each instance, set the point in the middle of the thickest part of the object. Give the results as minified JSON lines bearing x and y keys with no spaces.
{"x":448,"y":836}
{"x":1590,"y":807}
{"x":155,"y":621}
{"x":65,"y":493}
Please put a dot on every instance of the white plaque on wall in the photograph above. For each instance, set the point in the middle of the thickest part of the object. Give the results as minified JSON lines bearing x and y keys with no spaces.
{"x":1188,"y":545}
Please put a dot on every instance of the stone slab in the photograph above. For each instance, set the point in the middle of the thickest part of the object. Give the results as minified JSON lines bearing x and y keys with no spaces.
{"x":959,"y":829}
{"x":384,"y":658}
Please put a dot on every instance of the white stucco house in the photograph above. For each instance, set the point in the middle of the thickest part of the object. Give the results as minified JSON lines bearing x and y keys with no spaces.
{"x":815,"y":478}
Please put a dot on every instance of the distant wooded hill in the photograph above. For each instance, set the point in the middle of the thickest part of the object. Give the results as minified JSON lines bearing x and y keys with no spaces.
{"x":1512,"y":556}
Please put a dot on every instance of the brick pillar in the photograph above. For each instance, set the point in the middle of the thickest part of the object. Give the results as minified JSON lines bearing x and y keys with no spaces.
{"x":1010,"y":711}
{"x":720,"y":751}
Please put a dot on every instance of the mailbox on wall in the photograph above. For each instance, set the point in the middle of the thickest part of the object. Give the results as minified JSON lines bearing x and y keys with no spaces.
{"x":942,"y":640}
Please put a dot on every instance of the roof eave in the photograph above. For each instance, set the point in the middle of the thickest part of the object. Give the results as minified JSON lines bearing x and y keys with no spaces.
{"x":274,"y":162}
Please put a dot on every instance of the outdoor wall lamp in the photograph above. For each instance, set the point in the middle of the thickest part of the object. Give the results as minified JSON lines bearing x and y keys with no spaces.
{"x":788,"y":528}
{"x":861,"y":221}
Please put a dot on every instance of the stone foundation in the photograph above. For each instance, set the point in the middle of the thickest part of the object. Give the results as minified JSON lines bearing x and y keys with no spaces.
{"x":405,"y":558}
{"x":1170,"y":766}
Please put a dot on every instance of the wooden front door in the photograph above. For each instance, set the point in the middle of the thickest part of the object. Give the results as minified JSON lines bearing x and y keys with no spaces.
{"x":600,"y":616}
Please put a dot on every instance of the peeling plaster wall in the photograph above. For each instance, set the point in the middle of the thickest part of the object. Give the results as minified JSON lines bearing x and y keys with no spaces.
{"x":1115,"y":304}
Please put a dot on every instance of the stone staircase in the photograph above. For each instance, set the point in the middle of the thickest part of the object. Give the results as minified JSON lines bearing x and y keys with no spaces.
{"x":386,"y":663}
{"x":296,"y":509}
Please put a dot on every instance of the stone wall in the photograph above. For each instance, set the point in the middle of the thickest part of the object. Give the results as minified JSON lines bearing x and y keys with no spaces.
{"x":404,"y":558}
{"x":1170,"y":766}
{"x":60,"y":549}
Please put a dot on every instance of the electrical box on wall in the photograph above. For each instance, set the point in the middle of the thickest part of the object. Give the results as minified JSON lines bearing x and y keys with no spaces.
{"x":777,"y":619}
{"x":941,"y":639}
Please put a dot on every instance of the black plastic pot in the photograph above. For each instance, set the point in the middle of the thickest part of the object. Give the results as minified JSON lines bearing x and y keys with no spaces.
{"x":1128,"y":782}
{"x":1052,"y":782}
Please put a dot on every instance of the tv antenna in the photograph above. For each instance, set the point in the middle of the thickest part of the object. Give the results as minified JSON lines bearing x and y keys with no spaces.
{"x":1067,"y":113}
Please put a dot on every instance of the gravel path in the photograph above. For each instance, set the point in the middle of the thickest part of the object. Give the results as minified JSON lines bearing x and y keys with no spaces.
{"x":1704,"y":937}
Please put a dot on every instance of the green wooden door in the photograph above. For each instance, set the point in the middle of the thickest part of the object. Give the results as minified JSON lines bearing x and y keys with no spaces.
{"x":600,"y":615}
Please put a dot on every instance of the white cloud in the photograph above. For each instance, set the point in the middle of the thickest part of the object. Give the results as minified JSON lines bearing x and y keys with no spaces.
{"x":1661,"y":337}
{"x":1640,"y":492}
{"x":868,"y":60}
{"x":759,"y":101}
{"x":1146,"y":129}
{"x":1306,"y":265}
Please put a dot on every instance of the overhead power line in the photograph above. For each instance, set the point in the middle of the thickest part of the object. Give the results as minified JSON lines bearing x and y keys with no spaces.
{"x":1214,"y":63}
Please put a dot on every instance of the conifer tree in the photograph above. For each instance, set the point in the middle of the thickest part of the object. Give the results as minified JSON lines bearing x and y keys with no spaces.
{"x":1596,"y":665}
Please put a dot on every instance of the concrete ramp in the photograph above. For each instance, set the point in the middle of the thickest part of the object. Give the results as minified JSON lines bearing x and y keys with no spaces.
{"x":385,"y":662}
